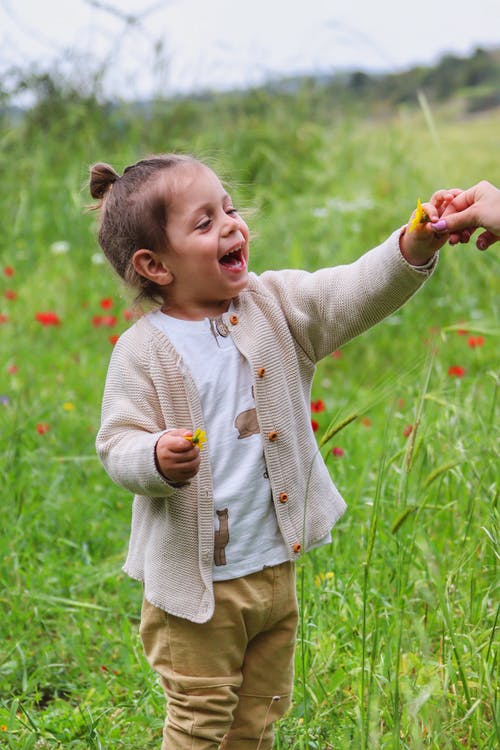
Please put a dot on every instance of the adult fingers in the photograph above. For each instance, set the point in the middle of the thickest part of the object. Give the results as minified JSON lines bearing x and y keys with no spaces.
{"x":486,"y":239}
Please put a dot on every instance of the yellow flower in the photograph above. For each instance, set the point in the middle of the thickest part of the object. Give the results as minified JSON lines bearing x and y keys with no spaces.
{"x":420,"y":217}
{"x":199,"y":438}
{"x":68,"y":406}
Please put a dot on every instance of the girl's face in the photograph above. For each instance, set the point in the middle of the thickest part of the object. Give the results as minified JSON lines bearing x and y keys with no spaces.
{"x":208,"y":247}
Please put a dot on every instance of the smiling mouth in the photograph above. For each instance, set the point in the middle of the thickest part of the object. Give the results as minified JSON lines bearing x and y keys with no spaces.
{"x":233,"y":261}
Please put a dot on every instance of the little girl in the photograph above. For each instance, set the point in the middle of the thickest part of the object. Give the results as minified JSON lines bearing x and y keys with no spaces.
{"x":216,"y":529}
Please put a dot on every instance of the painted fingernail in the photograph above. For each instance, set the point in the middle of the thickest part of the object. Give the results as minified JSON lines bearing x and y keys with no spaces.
{"x":439,"y":226}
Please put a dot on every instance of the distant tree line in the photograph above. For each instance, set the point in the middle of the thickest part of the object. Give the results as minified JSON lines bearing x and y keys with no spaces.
{"x":53,"y":96}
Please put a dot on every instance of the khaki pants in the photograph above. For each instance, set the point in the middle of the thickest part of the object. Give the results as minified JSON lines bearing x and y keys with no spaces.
{"x":229,"y":679}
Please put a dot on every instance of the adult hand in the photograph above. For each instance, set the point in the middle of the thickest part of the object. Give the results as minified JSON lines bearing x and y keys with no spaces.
{"x":177,"y":458}
{"x":479,"y":206}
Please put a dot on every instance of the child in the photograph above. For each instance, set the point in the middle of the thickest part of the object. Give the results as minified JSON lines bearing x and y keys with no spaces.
{"x":216,"y":529}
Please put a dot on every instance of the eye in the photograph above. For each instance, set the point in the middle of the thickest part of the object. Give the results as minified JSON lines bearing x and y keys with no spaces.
{"x":231,"y":211}
{"x":204,"y":224}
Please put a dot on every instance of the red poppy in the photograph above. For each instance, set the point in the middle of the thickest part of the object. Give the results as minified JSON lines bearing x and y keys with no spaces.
{"x":8,"y":271}
{"x":337,"y":451}
{"x":42,"y":428}
{"x":12,"y":369}
{"x":3,"y":318}
{"x":317,"y":406}
{"x":315,"y":425}
{"x":104,"y":320}
{"x":366,"y":421}
{"x":456,"y":371}
{"x":10,"y":294}
{"x":474,"y":341}
{"x":48,"y":318}
{"x":113,"y":339}
{"x":408,"y":430}
{"x":337,"y":354}
{"x":462,"y":332}
{"x":106,"y":303}
{"x":128,"y":314}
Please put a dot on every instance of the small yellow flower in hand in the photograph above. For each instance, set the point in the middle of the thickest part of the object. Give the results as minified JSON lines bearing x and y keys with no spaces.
{"x":420,"y":217}
{"x":199,"y":438}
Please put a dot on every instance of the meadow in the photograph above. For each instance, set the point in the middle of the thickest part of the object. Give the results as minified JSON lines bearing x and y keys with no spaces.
{"x":398,"y":640}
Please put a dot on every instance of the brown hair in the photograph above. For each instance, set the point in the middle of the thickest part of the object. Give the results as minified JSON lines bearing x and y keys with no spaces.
{"x":133,"y":214}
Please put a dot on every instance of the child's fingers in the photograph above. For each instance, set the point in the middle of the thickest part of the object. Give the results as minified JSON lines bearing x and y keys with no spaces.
{"x":442,"y":198}
{"x":183,"y":445}
{"x":176,"y":443}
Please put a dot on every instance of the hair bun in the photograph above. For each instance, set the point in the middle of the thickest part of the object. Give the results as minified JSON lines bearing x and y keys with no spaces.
{"x":102,"y":177}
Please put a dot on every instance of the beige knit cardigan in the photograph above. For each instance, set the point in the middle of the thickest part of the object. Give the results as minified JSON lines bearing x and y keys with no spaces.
{"x":283,"y":324}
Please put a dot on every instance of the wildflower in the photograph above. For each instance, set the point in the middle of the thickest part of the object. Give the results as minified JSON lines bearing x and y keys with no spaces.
{"x":68,"y":406}
{"x":3,"y":318}
{"x":198,"y":437}
{"x":113,"y":339}
{"x":337,"y":451}
{"x":12,"y":369}
{"x":42,"y":428}
{"x":366,"y":421}
{"x":314,"y":425}
{"x":474,"y":341}
{"x":4,"y":400}
{"x":3,"y":728}
{"x":408,"y":430}
{"x":104,"y":668}
{"x":8,"y":271}
{"x":97,"y":259}
{"x":456,"y":371}
{"x":10,"y":294}
{"x":462,"y":332}
{"x":419,"y":217}
{"x":106,"y":303}
{"x":60,"y":247}
{"x":104,"y":320}
{"x":337,"y":354}
{"x":128,"y":314}
{"x":48,"y":318}
{"x":317,"y":406}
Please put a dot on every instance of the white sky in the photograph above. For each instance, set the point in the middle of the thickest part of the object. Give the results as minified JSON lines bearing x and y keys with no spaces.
{"x":184,"y":45}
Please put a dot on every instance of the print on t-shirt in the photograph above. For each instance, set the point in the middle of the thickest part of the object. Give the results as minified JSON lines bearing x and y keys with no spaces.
{"x":246,"y":423}
{"x":221,"y":537}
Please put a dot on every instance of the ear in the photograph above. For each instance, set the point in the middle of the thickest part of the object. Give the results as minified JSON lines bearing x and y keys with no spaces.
{"x":150,"y":265}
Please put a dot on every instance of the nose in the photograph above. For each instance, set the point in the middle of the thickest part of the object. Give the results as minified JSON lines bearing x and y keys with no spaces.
{"x":230,"y":224}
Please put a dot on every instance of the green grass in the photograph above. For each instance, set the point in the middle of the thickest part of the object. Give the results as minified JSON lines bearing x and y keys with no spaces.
{"x":399,"y":614}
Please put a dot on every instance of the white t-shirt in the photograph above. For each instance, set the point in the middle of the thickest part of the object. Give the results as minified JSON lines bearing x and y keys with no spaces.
{"x":247,"y":536}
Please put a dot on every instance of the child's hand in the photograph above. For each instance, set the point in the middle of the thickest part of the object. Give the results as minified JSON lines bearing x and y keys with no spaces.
{"x":418,"y":241}
{"x":176,"y":456}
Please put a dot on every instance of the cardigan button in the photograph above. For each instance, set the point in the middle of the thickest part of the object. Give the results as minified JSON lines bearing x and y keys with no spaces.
{"x":261,"y":372}
{"x":283,"y":498}
{"x":233,"y":320}
{"x":272,"y":436}
{"x":297,"y":547}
